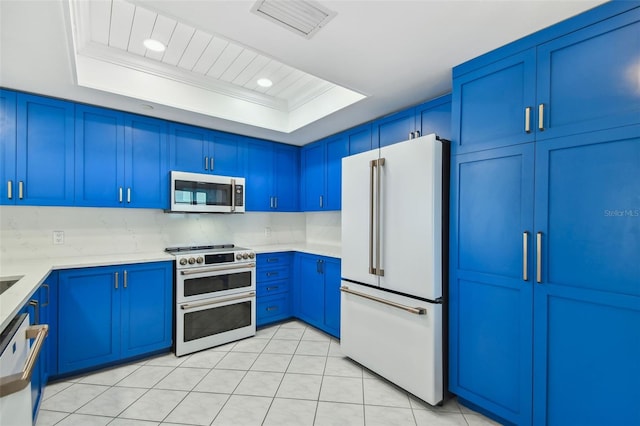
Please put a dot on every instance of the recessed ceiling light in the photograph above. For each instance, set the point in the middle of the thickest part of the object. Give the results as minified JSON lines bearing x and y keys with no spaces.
{"x":154,"y":45}
{"x":264,"y":82}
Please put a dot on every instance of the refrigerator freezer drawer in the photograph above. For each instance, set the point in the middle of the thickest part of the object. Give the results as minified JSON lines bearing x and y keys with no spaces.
{"x":402,"y":345}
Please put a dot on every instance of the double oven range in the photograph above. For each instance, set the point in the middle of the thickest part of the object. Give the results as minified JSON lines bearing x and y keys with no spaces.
{"x":215,"y":296}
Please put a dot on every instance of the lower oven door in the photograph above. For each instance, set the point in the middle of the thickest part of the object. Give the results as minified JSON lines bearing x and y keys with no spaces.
{"x":215,"y":321}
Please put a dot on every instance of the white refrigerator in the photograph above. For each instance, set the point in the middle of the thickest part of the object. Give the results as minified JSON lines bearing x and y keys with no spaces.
{"x":392,"y":263}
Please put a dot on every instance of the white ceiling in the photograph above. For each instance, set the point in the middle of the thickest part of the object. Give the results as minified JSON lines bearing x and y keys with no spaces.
{"x":396,"y":53}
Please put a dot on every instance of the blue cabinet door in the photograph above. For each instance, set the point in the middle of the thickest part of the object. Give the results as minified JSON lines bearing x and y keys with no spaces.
{"x":147,"y":308}
{"x":44,"y":153}
{"x":491,"y":284}
{"x":99,"y":165}
{"x":395,"y":128}
{"x":435,"y":117}
{"x":490,"y":105}
{"x":89,"y":317}
{"x":310,"y":290}
{"x":8,"y":186}
{"x":313,"y":176}
{"x":588,"y":79}
{"x":331,"y":270}
{"x":189,"y":148}
{"x":226,"y":155}
{"x":337,"y":148}
{"x":359,"y":139}
{"x":146,"y":155}
{"x":587,"y":304}
{"x":259,"y":194}
{"x":287,"y":178}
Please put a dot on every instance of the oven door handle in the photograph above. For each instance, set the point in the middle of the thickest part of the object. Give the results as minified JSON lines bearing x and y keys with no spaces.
{"x":217,"y":301}
{"x":228,"y":268}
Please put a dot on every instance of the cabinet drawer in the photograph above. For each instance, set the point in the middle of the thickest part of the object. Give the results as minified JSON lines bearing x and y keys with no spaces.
{"x":273,"y":259}
{"x":272,"y":287}
{"x":272,"y":308}
{"x":271,"y":274}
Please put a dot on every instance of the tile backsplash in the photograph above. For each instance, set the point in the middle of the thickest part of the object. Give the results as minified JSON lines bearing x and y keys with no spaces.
{"x":27,"y":232}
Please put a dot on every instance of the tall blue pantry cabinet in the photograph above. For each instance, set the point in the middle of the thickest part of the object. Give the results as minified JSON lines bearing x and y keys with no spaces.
{"x":545,"y":225}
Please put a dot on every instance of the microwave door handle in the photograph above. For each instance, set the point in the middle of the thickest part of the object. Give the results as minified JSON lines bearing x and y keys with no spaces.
{"x":233,"y":193}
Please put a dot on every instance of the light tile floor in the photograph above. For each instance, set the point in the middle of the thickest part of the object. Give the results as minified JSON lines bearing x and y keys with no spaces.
{"x":288,"y":374}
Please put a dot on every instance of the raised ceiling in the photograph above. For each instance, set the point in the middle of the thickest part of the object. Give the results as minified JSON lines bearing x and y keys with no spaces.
{"x":396,"y":53}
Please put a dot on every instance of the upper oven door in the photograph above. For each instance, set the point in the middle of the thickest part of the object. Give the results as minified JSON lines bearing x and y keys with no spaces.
{"x":200,"y":193}
{"x":214,"y":281}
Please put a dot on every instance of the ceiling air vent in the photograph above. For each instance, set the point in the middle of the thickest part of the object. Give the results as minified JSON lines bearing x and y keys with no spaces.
{"x":303,"y":17}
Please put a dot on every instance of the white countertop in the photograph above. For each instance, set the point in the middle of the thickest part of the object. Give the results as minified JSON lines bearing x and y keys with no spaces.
{"x":34,"y":271}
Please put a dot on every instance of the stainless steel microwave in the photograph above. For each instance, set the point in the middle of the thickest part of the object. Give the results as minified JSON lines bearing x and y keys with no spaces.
{"x":200,"y":193}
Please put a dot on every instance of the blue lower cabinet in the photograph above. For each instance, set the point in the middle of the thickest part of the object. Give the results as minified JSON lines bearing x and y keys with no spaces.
{"x":317,"y":292}
{"x":273,"y":281}
{"x":272,"y":308}
{"x":114,"y":312}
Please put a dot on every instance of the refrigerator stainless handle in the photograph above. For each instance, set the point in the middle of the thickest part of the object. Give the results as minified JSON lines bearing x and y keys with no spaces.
{"x":217,"y":301}
{"x":541,"y":117}
{"x":10,"y":189}
{"x":16,"y":382}
{"x":525,"y":256}
{"x":527,"y":120}
{"x":20,"y":190}
{"x":233,"y":190}
{"x":539,"y":258}
{"x":228,"y":268}
{"x":372,"y":165}
{"x":379,"y":269}
{"x":206,"y":163}
{"x":414,"y":310}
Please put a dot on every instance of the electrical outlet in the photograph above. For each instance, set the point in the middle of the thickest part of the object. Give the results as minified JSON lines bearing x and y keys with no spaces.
{"x":58,"y":237}
{"x":267,"y":232}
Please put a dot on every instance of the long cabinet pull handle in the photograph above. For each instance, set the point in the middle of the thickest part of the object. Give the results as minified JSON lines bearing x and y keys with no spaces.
{"x":206,"y":163}
{"x":527,"y":120}
{"x":211,"y":163}
{"x":321,"y":201}
{"x":20,"y":190}
{"x":525,"y":256}
{"x":270,"y":202}
{"x":275,"y":202}
{"x":10,"y":189}
{"x":124,"y":279}
{"x":380,"y":270}
{"x":372,"y":166}
{"x":414,"y":310}
{"x":16,"y":382}
{"x":128,"y":195}
{"x":115,"y":280}
{"x":36,"y":310}
{"x":120,"y":194}
{"x":541,"y":117}
{"x":539,"y":257}
{"x":48,"y":295}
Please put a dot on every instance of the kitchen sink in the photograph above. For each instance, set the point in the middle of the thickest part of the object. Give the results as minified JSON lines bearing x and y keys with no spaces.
{"x":7,"y":282}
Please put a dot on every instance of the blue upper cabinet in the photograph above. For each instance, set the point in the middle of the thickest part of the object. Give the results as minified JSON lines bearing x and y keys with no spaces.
{"x":359,"y":139}
{"x":588,"y":79}
{"x":394,"y":128}
{"x":435,"y":117}
{"x":494,"y":106}
{"x":37,"y":150}
{"x":272,"y":175}
{"x":146,"y":162}
{"x":322,"y":173}
{"x":198,"y":150}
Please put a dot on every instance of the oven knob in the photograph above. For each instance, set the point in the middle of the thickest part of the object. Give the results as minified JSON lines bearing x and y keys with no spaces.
{"x":245,"y":256}
{"x":183,"y":261}
{"x":252,"y":255}
{"x":200,"y":259}
{"x":238,"y":256}
{"x":191,"y":261}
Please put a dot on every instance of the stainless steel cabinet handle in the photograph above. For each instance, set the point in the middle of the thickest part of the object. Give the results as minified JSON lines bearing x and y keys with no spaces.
{"x":233,"y":190}
{"x":271,"y":274}
{"x":228,"y":268}
{"x":128,"y":195}
{"x":411,"y":309}
{"x":120,"y":194}
{"x":318,"y":266}
{"x":115,"y":280}
{"x":271,"y":202}
{"x":217,"y":301}
{"x":272,"y":259}
{"x":272,"y":308}
{"x":539,"y":258}
{"x":212,"y":164}
{"x":48,"y":294}
{"x":275,"y":287}
{"x":206,"y":163}
{"x":379,"y":269}
{"x":321,"y":201}
{"x":410,"y":135}
{"x":417,"y":133}
{"x":541,"y":117}
{"x":20,"y":190}
{"x":124,"y":279}
{"x":36,"y":310}
{"x":525,"y":256}
{"x":10,"y":189}
{"x":527,"y":120}
{"x":275,"y":202}
{"x":372,"y":166}
{"x":16,"y":382}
